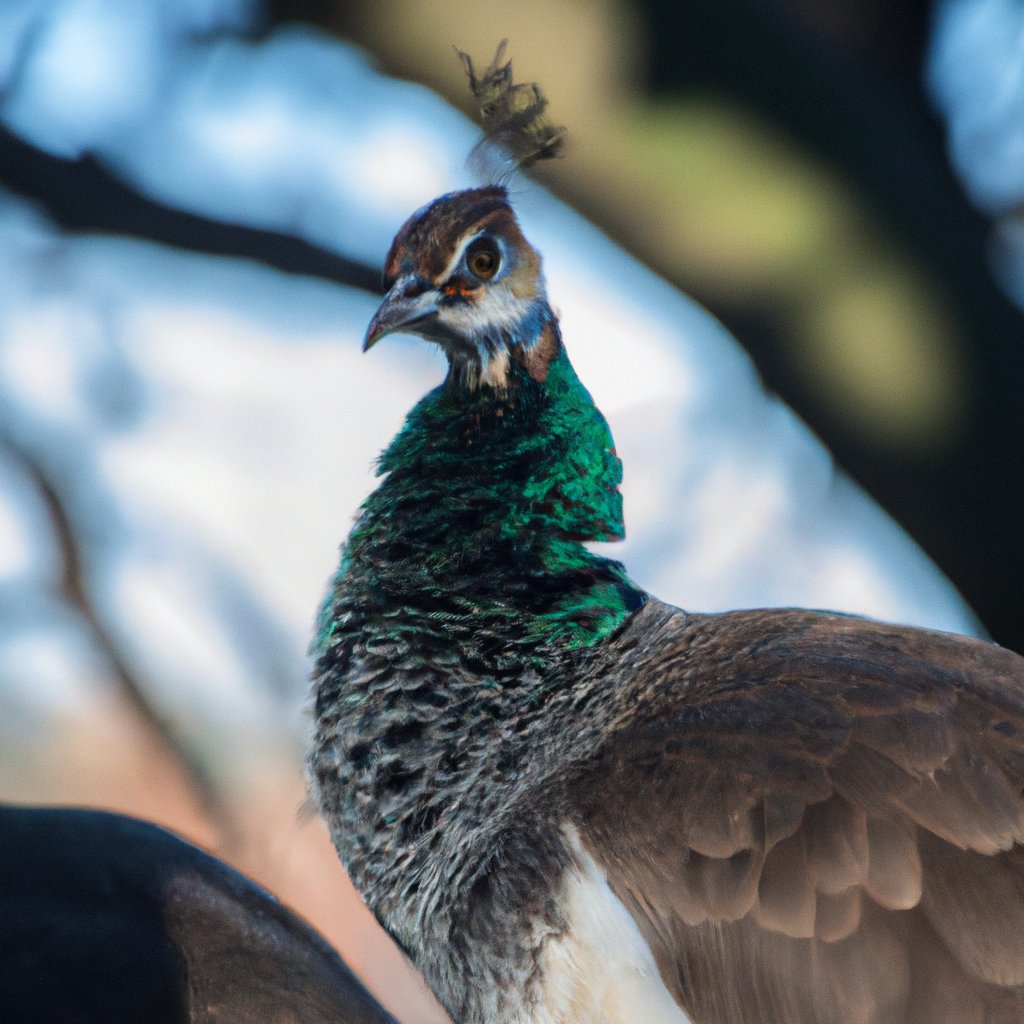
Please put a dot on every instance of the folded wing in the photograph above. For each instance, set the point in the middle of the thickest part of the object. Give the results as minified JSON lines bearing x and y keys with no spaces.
{"x":815,"y":818}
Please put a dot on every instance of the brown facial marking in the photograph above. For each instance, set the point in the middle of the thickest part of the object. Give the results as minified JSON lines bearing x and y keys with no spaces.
{"x":538,"y":358}
{"x":425,"y":243}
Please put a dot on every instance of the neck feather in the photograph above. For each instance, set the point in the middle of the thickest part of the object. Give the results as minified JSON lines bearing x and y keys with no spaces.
{"x":498,"y":332}
{"x":478,"y":527}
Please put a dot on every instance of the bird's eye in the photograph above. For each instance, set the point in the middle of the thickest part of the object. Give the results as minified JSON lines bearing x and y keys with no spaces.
{"x":483,"y":258}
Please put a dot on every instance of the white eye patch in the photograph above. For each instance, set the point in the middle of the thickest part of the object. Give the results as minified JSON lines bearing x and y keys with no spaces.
{"x":458,"y":260}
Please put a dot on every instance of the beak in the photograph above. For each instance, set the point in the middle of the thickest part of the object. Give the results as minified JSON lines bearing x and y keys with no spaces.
{"x":407,"y":304}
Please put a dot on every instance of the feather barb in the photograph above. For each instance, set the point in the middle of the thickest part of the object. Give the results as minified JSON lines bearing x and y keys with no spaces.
{"x":513,"y":115}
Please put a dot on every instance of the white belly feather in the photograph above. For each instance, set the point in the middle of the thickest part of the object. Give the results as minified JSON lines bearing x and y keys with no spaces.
{"x":600,"y":970}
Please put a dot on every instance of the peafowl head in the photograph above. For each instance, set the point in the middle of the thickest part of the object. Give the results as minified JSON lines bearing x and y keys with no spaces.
{"x":461,"y":274}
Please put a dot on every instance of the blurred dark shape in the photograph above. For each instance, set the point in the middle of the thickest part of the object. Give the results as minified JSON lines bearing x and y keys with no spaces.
{"x":109,"y":920}
{"x":889,"y":36}
{"x":80,"y":195}
{"x":853,"y":96}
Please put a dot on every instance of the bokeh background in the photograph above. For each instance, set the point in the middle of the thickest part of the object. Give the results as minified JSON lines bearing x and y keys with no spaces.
{"x":196,"y":197}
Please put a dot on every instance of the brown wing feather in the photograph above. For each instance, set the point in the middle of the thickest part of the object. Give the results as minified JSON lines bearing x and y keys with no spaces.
{"x":815,"y":818}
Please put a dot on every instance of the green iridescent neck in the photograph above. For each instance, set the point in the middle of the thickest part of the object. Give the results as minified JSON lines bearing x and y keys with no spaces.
{"x":477,"y":530}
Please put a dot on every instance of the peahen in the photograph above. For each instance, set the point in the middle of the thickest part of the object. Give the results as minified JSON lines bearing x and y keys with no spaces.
{"x":571,"y":802}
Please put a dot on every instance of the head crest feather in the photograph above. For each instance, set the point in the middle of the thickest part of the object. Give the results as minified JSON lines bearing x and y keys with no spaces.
{"x":513,"y":115}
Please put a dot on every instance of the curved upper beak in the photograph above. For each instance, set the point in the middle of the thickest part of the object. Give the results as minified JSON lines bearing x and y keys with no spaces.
{"x":409,"y":303}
